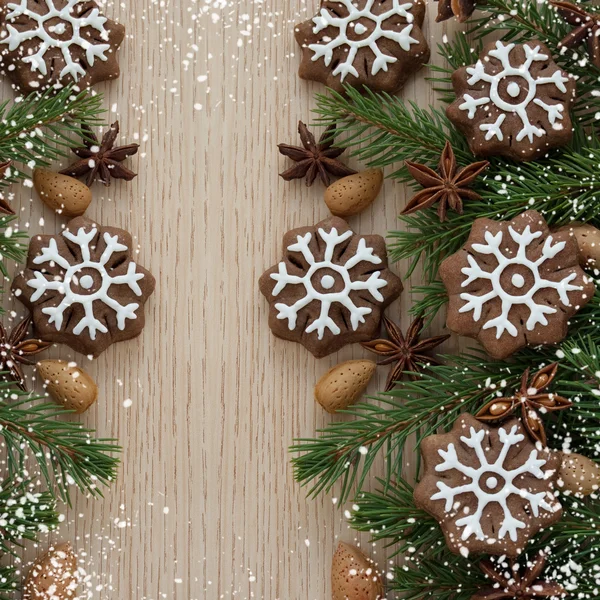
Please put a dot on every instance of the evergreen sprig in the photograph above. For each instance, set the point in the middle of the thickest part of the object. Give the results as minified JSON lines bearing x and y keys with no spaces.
{"x":40,"y":128}
{"x":24,"y":513}
{"x":9,"y":582}
{"x":66,"y":453}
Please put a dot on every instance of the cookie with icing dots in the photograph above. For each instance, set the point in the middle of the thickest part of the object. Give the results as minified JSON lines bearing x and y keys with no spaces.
{"x":373,"y":43}
{"x":515,"y":284}
{"x":331,"y":287}
{"x":82,"y":287}
{"x":515,"y":102}
{"x":490,"y":487}
{"x":53,"y":43}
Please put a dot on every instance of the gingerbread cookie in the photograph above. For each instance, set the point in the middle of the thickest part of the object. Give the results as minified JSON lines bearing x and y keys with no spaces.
{"x":373,"y":43}
{"x":514,"y":102}
{"x":331,"y":287}
{"x":82,"y":287}
{"x":57,"y":42}
{"x":490,"y":488}
{"x":514,"y":284}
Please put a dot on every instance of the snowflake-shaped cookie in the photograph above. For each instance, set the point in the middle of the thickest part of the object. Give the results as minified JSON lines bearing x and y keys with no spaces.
{"x":514,"y":284}
{"x":490,"y":488}
{"x":55,"y":42}
{"x":377,"y":43}
{"x":82,"y":287}
{"x":513,"y":102}
{"x":330,"y":288}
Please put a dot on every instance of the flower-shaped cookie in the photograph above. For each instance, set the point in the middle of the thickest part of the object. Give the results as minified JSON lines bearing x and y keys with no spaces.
{"x":376,"y":43}
{"x":82,"y":287}
{"x":514,"y":284}
{"x":57,"y":42}
{"x":513,"y":102}
{"x":490,"y":488}
{"x":331,"y":287}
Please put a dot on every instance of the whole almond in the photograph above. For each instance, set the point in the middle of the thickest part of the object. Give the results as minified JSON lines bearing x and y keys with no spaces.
{"x":68,"y":385}
{"x":53,"y":576}
{"x":66,"y":195}
{"x":579,"y":475}
{"x":344,"y":384}
{"x":353,"y":194}
{"x":588,"y":241}
{"x":353,"y":575}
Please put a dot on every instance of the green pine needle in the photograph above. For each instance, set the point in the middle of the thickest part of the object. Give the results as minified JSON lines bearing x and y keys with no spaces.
{"x":66,"y":453}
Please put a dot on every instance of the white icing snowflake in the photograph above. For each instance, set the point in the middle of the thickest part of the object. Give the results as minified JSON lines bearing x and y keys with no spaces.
{"x":351,"y":22}
{"x":513,"y":89}
{"x":324,"y":321}
{"x":499,"y":482}
{"x":537,"y":312}
{"x":42,"y":31}
{"x":62,"y":284}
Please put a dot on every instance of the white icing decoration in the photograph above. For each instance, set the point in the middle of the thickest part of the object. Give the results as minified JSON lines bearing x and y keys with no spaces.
{"x":530,"y":86}
{"x":499,"y":480}
{"x":62,"y":284}
{"x":346,"y":67}
{"x":324,"y":321}
{"x":537,"y":311}
{"x":72,"y":67}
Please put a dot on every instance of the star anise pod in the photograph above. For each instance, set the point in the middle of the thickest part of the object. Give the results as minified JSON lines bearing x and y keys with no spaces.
{"x":586,"y":27}
{"x":448,"y":188}
{"x":406,"y":353}
{"x":102,"y":160}
{"x":461,"y":9}
{"x":314,"y":159}
{"x":533,"y":401}
{"x":15,"y":351}
{"x":513,"y":582}
{"x":5,"y":207}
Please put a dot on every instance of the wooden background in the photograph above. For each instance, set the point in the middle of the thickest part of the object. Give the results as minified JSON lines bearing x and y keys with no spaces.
{"x":205,"y":506}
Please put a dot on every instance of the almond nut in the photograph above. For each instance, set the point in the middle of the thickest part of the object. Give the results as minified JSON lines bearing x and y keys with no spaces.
{"x":68,"y":385}
{"x":353,"y":575}
{"x":588,"y":241}
{"x":63,"y":194}
{"x":579,"y":475}
{"x":353,"y":194}
{"x":344,"y":384}
{"x":53,"y":575}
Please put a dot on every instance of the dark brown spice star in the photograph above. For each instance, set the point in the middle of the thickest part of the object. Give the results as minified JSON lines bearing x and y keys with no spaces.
{"x":586,"y":27}
{"x":448,"y":188}
{"x":15,"y":351}
{"x":461,"y":9}
{"x":5,"y":207}
{"x":314,"y":159}
{"x":408,"y":353}
{"x":533,"y":401}
{"x":102,"y":160}
{"x":511,"y":582}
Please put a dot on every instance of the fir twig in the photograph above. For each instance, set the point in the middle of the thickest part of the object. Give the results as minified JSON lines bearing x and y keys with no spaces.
{"x":65,"y":452}
{"x":24,"y":514}
{"x":37,"y":129}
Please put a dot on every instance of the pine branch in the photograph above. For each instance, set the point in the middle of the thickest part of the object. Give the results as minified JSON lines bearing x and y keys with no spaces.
{"x":9,"y":582}
{"x":345,"y":451}
{"x":389,"y":515}
{"x":24,"y":514}
{"x":13,"y":244}
{"x":37,"y":129}
{"x":65,"y":452}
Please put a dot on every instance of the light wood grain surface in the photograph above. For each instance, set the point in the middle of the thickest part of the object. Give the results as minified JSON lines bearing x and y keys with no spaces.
{"x":205,"y":506}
